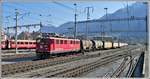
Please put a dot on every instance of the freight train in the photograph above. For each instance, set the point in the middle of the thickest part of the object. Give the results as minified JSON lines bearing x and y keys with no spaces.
{"x":22,"y":44}
{"x":53,"y":46}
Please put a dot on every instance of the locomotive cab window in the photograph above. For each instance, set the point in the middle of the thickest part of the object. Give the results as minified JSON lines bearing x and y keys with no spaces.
{"x":65,"y":41}
{"x":76,"y":42}
{"x":61,"y":41}
{"x":57,"y":41}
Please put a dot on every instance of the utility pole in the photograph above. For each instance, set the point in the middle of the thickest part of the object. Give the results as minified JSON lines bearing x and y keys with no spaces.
{"x":28,"y":36}
{"x":147,"y":23}
{"x":17,"y":13}
{"x":102,"y":31}
{"x":75,"y":23}
{"x":147,"y":29}
{"x":128,"y":22}
{"x":7,"y":29}
{"x":109,"y":22}
{"x":8,"y":34}
{"x":40,"y":26}
{"x":106,"y":16}
{"x":88,"y":9}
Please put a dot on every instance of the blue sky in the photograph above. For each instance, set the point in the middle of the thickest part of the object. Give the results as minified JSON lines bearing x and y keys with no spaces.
{"x":55,"y":14}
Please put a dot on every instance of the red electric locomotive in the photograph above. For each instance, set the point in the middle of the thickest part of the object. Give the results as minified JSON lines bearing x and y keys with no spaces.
{"x":56,"y":46}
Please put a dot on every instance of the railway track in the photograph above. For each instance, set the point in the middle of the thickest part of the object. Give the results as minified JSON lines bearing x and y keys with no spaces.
{"x":132,"y":67}
{"x":128,"y":62}
{"x":76,"y":71}
{"x":122,"y":67}
{"x":15,"y":56}
{"x":10,"y":69}
{"x":9,"y":54}
{"x":71,"y":69}
{"x":19,"y":50}
{"x":84,"y":68}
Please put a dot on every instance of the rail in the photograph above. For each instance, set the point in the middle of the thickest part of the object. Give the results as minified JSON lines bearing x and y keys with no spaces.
{"x":9,"y":69}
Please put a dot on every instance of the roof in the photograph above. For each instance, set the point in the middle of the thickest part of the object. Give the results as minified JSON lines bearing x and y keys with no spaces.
{"x":24,"y":40}
{"x":63,"y":38}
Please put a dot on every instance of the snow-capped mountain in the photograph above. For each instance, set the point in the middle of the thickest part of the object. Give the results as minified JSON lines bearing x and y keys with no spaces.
{"x":137,"y":28}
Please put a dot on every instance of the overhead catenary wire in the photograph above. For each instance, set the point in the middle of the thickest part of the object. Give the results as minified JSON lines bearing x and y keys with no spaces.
{"x":32,"y":12}
{"x":28,"y":9}
{"x":56,"y":16}
{"x":63,"y":5}
{"x":68,"y":7}
{"x":20,"y":9}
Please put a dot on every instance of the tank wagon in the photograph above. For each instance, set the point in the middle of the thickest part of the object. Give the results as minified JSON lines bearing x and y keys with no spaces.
{"x":115,"y":44}
{"x":86,"y":45}
{"x":122,"y":44}
{"x":107,"y":44}
{"x":97,"y":44}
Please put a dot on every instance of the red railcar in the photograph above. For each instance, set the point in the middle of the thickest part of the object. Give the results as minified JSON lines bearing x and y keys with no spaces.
{"x":22,"y":44}
{"x":55,"y":46}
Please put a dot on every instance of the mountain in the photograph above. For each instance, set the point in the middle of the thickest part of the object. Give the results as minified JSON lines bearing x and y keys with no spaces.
{"x":48,"y":29}
{"x":136,"y":29}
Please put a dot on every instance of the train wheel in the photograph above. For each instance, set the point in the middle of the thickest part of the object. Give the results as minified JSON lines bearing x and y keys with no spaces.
{"x":38,"y":56}
{"x":83,"y":52}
